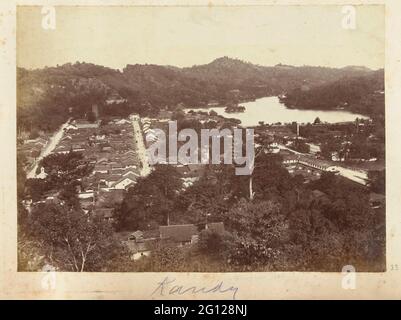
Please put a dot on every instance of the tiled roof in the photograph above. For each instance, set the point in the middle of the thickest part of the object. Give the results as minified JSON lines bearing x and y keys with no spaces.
{"x":130,"y":176}
{"x":178,"y":233}
{"x":288,"y":157}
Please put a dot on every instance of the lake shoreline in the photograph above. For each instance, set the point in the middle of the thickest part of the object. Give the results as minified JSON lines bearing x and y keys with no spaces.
{"x":271,"y":110}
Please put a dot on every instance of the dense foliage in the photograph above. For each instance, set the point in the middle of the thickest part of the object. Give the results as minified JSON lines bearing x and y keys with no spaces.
{"x":288,"y":225}
{"x":73,"y":242}
{"x":362,"y":94}
{"x":47,"y":97}
{"x":273,"y":221}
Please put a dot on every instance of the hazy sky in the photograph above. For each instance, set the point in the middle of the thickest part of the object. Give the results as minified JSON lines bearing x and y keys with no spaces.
{"x":184,"y":36}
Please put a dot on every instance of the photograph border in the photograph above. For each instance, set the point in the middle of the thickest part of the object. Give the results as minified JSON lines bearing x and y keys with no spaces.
{"x":248,"y":285}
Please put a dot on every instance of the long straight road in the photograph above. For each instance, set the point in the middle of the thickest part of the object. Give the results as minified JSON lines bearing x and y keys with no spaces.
{"x":359,"y":176}
{"x":140,"y":146}
{"x":54,"y":140}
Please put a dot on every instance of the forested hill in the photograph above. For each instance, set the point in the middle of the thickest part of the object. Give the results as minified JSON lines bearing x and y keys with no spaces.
{"x":362,"y":94}
{"x":48,"y":96}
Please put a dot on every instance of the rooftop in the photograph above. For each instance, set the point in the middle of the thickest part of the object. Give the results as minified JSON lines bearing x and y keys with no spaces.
{"x":178,"y":233}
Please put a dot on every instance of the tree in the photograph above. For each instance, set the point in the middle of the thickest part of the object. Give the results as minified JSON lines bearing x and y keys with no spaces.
{"x":91,"y":117}
{"x":178,"y":115}
{"x":329,"y":146}
{"x":68,"y":166}
{"x":214,"y":244}
{"x":36,"y":188}
{"x":378,"y":181}
{"x":300,"y":146}
{"x":317,"y":121}
{"x":34,"y":133}
{"x":64,"y":173}
{"x":268,"y":178}
{"x":31,"y":257}
{"x":151,"y":201}
{"x":35,"y":153}
{"x":208,"y":197}
{"x":259,"y":230}
{"x":75,"y":241}
{"x":167,"y":258}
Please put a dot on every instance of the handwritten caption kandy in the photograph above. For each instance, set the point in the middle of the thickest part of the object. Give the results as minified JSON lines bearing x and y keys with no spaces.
{"x":170,"y":287}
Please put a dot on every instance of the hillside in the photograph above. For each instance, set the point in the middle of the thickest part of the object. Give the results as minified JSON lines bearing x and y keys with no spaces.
{"x":362,"y":94}
{"x":46,"y":97}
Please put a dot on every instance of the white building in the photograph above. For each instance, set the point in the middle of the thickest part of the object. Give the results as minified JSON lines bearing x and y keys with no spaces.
{"x":42,"y":174}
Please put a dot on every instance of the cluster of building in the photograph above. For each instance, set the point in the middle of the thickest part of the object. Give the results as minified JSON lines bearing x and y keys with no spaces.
{"x":148,"y":131}
{"x":141,"y":243}
{"x":280,"y":139}
{"x":109,"y":148}
{"x":190,"y":173}
{"x":310,"y":168}
{"x":32,"y":148}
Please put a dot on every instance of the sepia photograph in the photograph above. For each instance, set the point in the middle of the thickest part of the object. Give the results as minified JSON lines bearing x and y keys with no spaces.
{"x":201,"y":139}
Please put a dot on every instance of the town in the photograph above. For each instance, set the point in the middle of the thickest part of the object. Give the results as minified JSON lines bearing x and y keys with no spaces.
{"x":200,"y":151}
{"x":98,"y":160}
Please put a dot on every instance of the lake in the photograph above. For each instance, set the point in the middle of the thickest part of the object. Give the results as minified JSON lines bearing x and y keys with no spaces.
{"x":271,"y":110}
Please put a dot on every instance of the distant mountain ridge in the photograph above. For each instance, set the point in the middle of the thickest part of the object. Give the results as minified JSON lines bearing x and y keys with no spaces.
{"x":78,"y":85}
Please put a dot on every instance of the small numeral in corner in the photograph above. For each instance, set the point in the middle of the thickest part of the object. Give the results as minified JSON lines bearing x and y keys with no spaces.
{"x":394,"y":267}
